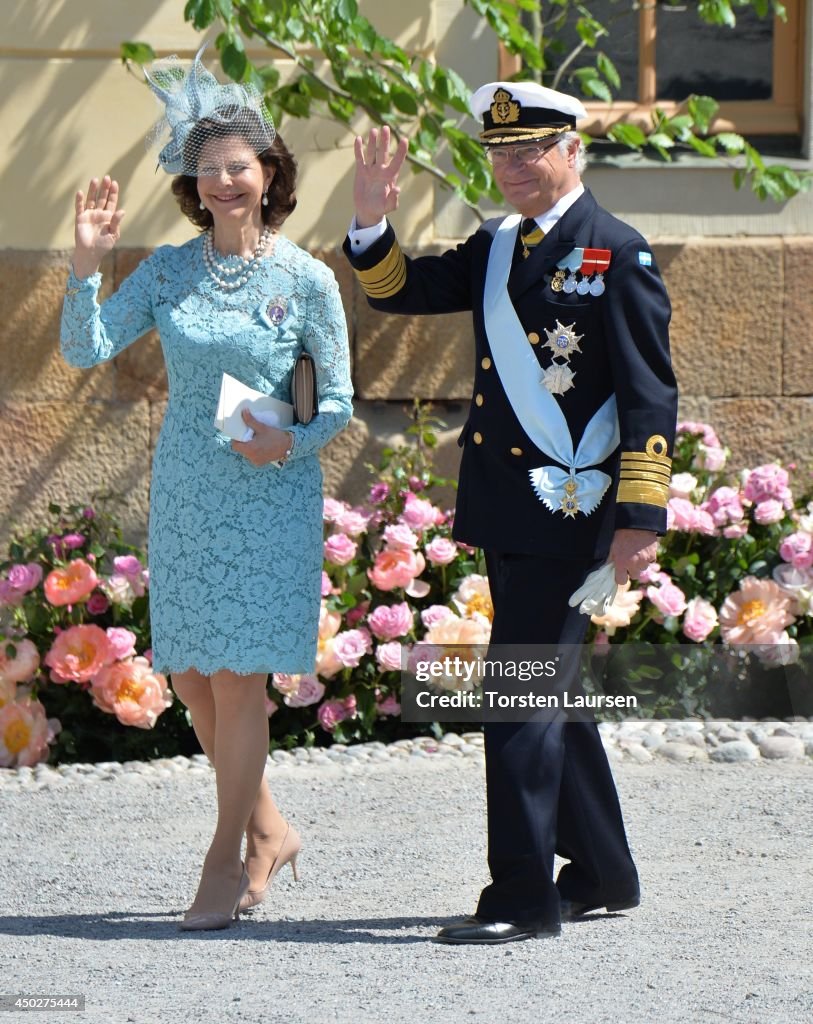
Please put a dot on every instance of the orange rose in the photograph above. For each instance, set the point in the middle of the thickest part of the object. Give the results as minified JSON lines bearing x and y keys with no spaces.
{"x":70,"y":585}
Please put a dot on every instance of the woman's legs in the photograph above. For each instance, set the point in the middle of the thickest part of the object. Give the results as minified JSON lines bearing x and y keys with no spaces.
{"x":266,"y":826}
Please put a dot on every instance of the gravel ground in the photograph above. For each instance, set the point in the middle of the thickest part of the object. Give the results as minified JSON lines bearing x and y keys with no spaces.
{"x":97,"y":871}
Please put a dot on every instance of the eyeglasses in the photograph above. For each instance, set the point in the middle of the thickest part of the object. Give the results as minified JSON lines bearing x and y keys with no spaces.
{"x":501,"y":156}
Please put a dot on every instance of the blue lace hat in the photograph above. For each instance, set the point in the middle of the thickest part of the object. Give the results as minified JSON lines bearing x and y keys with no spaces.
{"x":197,"y":110}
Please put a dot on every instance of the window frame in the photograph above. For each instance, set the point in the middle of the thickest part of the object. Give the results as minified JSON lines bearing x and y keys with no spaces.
{"x":780,"y":115}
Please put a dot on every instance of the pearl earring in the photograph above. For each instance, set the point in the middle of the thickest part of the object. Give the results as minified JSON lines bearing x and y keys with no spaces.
{"x":265,"y":198}
{"x":202,"y":205}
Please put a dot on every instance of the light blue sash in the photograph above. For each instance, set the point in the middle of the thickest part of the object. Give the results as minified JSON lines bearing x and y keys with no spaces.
{"x":536,"y":409}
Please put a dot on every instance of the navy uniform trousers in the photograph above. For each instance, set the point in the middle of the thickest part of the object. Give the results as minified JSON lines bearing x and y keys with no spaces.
{"x":549,"y":785}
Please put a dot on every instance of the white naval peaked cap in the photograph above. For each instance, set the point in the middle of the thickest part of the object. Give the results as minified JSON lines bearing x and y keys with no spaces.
{"x":514,"y":112}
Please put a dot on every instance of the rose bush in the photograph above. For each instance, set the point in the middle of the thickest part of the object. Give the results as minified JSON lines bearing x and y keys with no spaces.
{"x":735,"y":568}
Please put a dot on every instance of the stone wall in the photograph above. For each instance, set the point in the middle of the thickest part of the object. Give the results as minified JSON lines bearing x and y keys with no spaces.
{"x":741,"y":340}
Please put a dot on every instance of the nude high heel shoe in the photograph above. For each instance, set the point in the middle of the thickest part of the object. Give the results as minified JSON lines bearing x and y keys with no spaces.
{"x":288,"y":852}
{"x":212,"y":922}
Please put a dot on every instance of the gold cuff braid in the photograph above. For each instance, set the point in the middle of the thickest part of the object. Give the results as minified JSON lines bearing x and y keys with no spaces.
{"x":385,"y":278}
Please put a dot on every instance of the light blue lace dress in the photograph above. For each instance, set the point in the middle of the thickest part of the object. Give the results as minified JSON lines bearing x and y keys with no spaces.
{"x":235,"y":551}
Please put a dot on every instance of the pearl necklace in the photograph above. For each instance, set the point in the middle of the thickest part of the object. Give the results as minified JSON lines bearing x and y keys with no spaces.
{"x":234,"y":276}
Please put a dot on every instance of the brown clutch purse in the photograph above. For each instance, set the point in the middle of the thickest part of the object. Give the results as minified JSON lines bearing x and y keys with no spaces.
{"x":304,"y":396}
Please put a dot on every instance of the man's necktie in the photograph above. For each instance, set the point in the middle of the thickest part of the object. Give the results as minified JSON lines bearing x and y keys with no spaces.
{"x":530,"y":234}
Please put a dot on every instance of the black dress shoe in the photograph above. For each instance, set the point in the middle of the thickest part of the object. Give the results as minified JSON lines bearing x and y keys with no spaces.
{"x":475,"y":931}
{"x":572,"y":909}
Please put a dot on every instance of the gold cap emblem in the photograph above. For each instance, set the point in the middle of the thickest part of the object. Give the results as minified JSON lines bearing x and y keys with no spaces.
{"x":505,"y":109}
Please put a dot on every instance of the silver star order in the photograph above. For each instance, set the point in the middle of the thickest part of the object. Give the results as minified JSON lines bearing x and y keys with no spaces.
{"x":563,"y":341}
{"x":558,"y":378}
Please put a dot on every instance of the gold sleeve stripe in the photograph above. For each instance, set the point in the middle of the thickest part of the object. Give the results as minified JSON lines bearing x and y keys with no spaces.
{"x":655,"y":478}
{"x":387,"y":277}
{"x":649,"y":457}
{"x":645,"y":471}
{"x":642,"y":467}
{"x":643,"y":492}
{"x":628,"y":462}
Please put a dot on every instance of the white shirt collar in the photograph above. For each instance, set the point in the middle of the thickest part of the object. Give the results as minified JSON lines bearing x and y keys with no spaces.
{"x":547,"y":220}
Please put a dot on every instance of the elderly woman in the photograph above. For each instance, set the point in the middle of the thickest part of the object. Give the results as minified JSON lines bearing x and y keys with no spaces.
{"x":235,"y":532}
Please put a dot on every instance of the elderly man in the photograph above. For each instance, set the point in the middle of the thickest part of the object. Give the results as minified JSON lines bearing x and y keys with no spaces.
{"x":565,"y":466}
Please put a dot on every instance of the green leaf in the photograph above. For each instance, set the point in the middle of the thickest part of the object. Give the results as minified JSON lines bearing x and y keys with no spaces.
{"x":608,"y":69}
{"x":701,"y":146}
{"x":233,"y":59}
{"x":628,"y":135}
{"x":295,"y":28}
{"x":731,"y":142}
{"x":595,"y":87}
{"x":347,"y":9}
{"x":200,"y":12}
{"x":139,"y":53}
{"x":404,"y":100}
{"x":703,"y":109}
{"x":660,"y":140}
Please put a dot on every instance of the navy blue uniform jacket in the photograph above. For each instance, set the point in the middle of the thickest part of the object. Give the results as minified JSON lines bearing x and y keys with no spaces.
{"x":624,"y":349}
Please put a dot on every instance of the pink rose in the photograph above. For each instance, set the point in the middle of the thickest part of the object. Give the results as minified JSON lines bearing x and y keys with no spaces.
{"x":434,"y":614}
{"x":703,"y":429}
{"x":681,"y":485}
{"x":71,"y":584}
{"x":22,"y":664}
{"x":418,"y":513}
{"x":19,"y":581}
{"x":735,"y":530}
{"x":352,"y":522}
{"x":441,"y":551}
{"x":797,"y":548}
{"x":121,"y":642}
{"x":703,"y":523}
{"x":97,"y":603}
{"x":379,"y":493}
{"x":133,"y":571}
{"x":131,"y":691}
{"x":333,"y":510}
{"x":285,"y":684}
{"x":651,"y":574}
{"x":327,"y":586}
{"x":393,"y":569}
{"x":679,"y":514}
{"x":390,"y":621}
{"x":351,"y":645}
{"x":699,"y":620}
{"x":400,"y":538}
{"x":339,"y":549}
{"x":757,"y":613}
{"x":78,"y":653}
{"x":769,"y":511}
{"x":331,"y":712}
{"x":766,"y":482}
{"x":309,"y":691}
{"x":667,"y":598}
{"x":724,"y":506}
{"x":712,"y":458}
{"x":25,"y":733}
{"x":388,"y":656}
{"x":72,"y":541}
{"x":354,"y":616}
{"x":388,"y":706}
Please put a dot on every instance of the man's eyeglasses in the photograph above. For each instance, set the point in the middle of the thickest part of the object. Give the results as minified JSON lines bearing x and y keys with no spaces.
{"x":501,"y":156}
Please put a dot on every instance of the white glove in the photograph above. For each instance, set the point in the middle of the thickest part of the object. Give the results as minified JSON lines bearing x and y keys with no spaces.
{"x":597,"y":592}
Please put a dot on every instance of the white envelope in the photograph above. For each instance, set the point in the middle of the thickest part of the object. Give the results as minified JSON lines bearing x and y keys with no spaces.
{"x":236,"y":396}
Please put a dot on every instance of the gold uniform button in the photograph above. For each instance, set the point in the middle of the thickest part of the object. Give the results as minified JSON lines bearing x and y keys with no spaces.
{"x":478,"y":437}
{"x":485,"y":363}
{"x":478,"y":400}
{"x":533,"y":337}
{"x":516,"y":451}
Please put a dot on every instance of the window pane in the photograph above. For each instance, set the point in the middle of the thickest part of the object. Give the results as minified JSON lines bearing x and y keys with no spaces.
{"x":620,"y":18}
{"x":728,"y":64}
